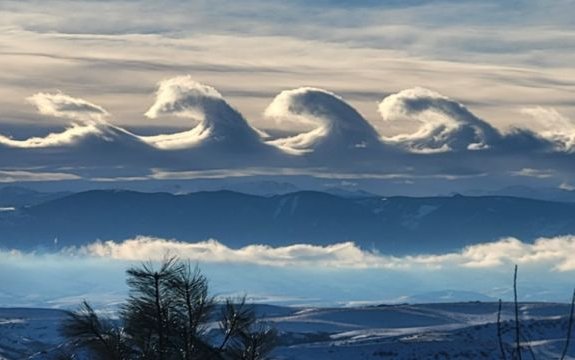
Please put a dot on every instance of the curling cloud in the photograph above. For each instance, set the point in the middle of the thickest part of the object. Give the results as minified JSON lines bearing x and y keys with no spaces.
{"x":342,"y":142}
{"x":556,"y":128}
{"x":341,"y":127}
{"x":72,"y":135}
{"x":553,"y":253}
{"x":218,"y":121}
{"x":64,"y":106}
{"x":89,"y":122}
{"x":89,"y":132}
{"x":446,"y":125}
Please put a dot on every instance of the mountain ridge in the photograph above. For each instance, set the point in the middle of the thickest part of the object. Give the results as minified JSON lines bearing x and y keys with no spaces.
{"x":395,"y":225}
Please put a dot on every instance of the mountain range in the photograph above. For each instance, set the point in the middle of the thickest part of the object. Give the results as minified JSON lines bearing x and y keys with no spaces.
{"x":394,"y":225}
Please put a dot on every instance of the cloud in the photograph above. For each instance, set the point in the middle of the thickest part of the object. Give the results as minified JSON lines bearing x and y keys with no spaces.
{"x":553,"y":253}
{"x":343,"y":143}
{"x":556,"y":127}
{"x":70,"y":136}
{"x":306,"y":273}
{"x":341,"y":127}
{"x":8,"y":176}
{"x":218,"y":121}
{"x":536,"y":173}
{"x":64,"y":106}
{"x":445,"y":125}
{"x":88,"y":124}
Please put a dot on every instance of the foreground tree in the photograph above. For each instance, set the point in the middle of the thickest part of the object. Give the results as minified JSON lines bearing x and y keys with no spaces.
{"x":166,"y":318}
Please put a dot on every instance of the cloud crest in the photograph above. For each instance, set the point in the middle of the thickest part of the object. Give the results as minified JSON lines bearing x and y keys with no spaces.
{"x":218,"y":121}
{"x":341,"y":127}
{"x":445,"y":125}
{"x":65,"y":106}
{"x":558,"y":129}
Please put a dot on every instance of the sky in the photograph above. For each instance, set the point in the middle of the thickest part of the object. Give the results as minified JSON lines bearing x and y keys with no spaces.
{"x":497,"y":57}
{"x":415,"y":97}
{"x":385,"y":90}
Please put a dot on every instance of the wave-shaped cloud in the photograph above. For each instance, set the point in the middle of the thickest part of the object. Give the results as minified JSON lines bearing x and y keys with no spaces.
{"x":554,"y":253}
{"x":70,"y":136}
{"x":219,"y":122}
{"x":342,"y":140}
{"x":64,"y":106}
{"x":89,"y":124}
{"x":446,"y":125}
{"x":341,"y":127}
{"x":557,"y":128}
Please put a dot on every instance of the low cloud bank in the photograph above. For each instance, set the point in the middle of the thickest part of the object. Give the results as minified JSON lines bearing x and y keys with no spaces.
{"x":554,"y":253}
{"x":298,"y":275}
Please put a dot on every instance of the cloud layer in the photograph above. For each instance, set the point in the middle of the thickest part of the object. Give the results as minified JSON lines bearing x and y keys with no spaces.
{"x":553,"y":253}
{"x":297,"y":274}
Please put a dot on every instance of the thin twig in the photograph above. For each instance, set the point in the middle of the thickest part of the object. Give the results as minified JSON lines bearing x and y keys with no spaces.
{"x":569,"y":328}
{"x":517,"y":332}
{"x":499,"y":334}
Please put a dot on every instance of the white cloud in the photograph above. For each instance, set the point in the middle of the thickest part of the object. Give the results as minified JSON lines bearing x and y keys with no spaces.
{"x":72,"y":135}
{"x":64,"y":106}
{"x":566,"y":186}
{"x":445,"y":124}
{"x":304,"y":272}
{"x":341,"y":127}
{"x":535,"y":173}
{"x":555,"y":127}
{"x":182,"y":96}
{"x":9,"y":176}
{"x":219,"y":122}
{"x":554,"y":253}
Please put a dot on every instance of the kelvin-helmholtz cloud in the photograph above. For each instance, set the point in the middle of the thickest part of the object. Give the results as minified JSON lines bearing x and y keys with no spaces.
{"x":220,"y":125}
{"x":339,"y":127}
{"x":341,"y":140}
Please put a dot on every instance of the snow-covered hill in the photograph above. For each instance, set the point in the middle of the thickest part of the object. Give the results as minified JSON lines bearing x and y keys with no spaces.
{"x":427,"y":331}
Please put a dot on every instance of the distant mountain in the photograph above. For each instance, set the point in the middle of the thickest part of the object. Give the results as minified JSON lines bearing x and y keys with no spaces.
{"x":543,"y":193}
{"x":347,"y":193}
{"x":396,"y":225}
{"x":445,"y":296}
{"x":263,"y":187}
{"x":16,"y":196}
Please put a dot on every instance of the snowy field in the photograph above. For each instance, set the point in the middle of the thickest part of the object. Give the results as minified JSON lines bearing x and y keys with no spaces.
{"x":426,"y":331}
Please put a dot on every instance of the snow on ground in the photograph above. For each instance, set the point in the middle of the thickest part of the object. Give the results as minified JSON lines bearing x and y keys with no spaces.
{"x":26,"y":331}
{"x":424,"y":331}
